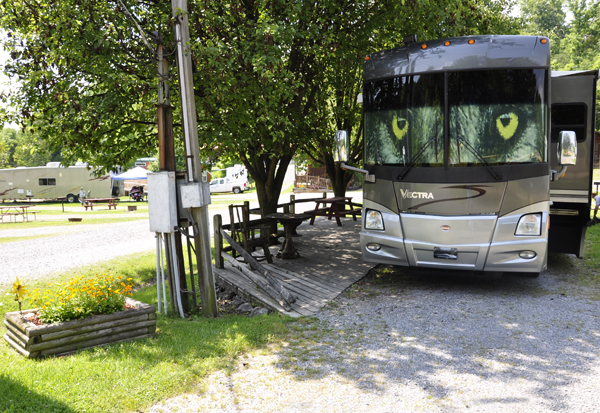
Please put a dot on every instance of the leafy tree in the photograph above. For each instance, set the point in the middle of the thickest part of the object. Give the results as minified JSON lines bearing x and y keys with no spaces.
{"x":32,"y":151}
{"x":24,"y":149}
{"x":545,"y":18}
{"x":575,"y":43}
{"x":85,"y":76}
{"x":582,"y":42}
{"x":371,"y":28}
{"x":267,"y":72}
{"x":8,"y":142}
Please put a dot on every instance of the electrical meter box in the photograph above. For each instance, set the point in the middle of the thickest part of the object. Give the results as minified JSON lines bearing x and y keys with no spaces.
{"x":195,"y":194}
{"x":162,"y":201}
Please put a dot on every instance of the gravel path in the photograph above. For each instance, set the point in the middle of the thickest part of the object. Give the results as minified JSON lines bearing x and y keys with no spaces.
{"x":426,"y":343}
{"x":63,"y":248}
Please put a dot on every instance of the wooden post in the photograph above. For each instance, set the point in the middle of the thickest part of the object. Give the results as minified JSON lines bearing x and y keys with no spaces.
{"x":247,"y":211}
{"x":292,"y":203}
{"x":218,"y":238}
{"x":166,"y":159}
{"x":192,"y":150}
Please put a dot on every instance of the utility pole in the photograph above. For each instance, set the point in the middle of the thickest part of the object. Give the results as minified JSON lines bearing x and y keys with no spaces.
{"x":190,"y":130}
{"x":166,"y":158}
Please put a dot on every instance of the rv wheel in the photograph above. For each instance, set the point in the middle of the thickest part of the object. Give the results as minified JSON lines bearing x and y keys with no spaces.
{"x":71,"y":198}
{"x":236,"y":190}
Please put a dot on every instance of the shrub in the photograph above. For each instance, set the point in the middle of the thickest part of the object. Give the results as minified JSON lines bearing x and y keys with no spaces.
{"x":80,"y":298}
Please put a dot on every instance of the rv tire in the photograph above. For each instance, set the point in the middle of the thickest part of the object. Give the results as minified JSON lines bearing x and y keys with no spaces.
{"x":71,"y":198}
{"x":236,"y":190}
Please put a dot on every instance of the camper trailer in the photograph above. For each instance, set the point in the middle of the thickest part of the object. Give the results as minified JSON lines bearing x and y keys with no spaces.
{"x":55,"y":181}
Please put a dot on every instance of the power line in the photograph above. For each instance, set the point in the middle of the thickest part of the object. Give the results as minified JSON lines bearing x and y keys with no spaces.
{"x":140,"y":30}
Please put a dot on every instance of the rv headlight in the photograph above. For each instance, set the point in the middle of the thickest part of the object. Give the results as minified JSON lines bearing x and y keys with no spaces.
{"x":530,"y":224}
{"x":373,"y":220}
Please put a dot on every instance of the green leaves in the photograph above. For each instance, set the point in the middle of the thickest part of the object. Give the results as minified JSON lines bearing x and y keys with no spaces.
{"x":270,"y":76}
{"x":84,"y":76}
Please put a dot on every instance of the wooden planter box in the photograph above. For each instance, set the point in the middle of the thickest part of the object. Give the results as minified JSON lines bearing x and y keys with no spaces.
{"x":34,"y":341}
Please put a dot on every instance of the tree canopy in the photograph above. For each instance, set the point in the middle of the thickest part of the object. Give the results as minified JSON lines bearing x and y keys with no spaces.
{"x":573,"y":27}
{"x":271,"y":76}
{"x":24,"y":149}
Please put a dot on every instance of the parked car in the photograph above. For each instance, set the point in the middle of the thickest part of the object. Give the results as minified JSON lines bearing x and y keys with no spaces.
{"x":228,"y":185}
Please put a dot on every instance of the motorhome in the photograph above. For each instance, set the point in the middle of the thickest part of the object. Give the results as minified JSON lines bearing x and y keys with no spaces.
{"x":55,"y":181}
{"x":477,"y":155}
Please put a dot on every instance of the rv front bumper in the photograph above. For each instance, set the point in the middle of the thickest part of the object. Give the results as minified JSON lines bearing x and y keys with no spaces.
{"x":471,"y":243}
{"x":515,"y":256}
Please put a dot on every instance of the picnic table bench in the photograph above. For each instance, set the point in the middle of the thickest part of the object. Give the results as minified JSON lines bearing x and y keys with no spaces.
{"x":333,"y":210}
{"x":90,"y":202}
{"x":325,"y":207}
{"x":14,"y":211}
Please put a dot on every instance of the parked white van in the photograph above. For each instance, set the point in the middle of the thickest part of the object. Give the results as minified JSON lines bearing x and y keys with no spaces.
{"x":228,"y":185}
{"x":236,"y":180}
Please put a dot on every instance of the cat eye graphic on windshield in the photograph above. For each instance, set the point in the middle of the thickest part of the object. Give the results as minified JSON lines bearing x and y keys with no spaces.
{"x":507,"y":124}
{"x":400,"y":132}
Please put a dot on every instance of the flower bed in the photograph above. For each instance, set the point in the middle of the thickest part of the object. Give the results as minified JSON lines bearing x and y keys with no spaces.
{"x":138,"y":320}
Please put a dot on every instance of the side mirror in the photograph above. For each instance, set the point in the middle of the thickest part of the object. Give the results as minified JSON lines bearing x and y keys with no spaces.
{"x":567,"y":148}
{"x":342,"y":146}
{"x":341,"y":151}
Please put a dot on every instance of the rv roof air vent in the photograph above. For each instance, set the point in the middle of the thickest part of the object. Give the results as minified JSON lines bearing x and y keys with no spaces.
{"x":53,"y":165}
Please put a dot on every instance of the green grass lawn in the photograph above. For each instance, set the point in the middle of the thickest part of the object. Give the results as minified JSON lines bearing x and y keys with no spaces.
{"x":132,"y":375}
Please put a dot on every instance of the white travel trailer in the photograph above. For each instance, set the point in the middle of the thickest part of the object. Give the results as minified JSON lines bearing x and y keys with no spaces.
{"x":54,"y":181}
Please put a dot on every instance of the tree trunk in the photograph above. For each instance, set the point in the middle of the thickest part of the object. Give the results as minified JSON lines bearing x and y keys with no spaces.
{"x":268,"y":174}
{"x":338,"y":177}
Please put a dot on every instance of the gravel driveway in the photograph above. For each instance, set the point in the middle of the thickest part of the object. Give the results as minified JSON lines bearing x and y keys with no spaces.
{"x":61,"y":248}
{"x":415,"y":342}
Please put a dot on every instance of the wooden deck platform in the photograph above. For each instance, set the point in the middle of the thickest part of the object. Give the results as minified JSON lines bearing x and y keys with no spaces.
{"x":330,"y":261}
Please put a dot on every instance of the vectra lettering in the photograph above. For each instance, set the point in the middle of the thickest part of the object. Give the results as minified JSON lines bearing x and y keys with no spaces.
{"x":416,"y":195}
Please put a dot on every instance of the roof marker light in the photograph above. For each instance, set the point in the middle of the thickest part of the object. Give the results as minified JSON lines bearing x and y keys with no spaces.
{"x":446,"y":43}
{"x":544,"y":41}
{"x":368,"y":58}
{"x":423,"y":46}
{"x":471,"y":41}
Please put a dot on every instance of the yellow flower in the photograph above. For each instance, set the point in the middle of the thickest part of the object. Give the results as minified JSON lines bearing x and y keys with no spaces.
{"x":19,"y":290}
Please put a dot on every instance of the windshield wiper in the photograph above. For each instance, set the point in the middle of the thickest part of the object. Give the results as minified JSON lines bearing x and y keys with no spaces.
{"x":480,"y":158}
{"x":416,"y":158}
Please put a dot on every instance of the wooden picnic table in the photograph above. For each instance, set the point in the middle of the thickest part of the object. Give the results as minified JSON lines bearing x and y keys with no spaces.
{"x":290,"y":222}
{"x":14,"y":211}
{"x":89,"y":202}
{"x":333,"y":210}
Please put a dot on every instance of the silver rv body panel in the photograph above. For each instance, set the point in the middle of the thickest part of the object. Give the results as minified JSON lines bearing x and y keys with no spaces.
{"x":573,"y":108}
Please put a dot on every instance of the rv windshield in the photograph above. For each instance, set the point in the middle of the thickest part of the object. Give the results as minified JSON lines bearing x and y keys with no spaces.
{"x":500,"y":114}
{"x":402,"y":115}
